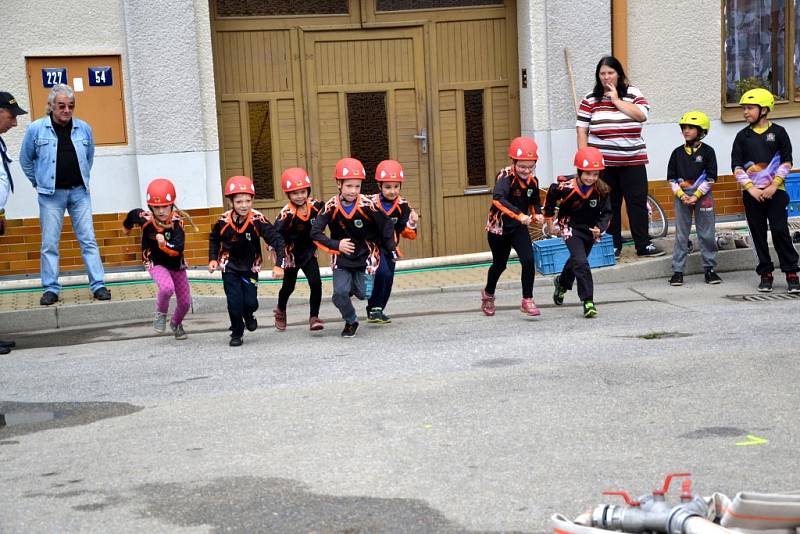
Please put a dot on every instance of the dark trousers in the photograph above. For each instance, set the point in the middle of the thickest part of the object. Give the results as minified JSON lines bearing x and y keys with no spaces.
{"x":629,"y":183}
{"x":384,"y":279}
{"x":577,"y":266}
{"x":311,"y":270}
{"x":346,"y":284}
{"x":241,"y":291}
{"x":758,"y":214}
{"x":500,"y":246}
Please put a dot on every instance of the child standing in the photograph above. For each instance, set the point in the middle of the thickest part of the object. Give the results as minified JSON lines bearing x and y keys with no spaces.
{"x":234,"y":248}
{"x":584,"y":213}
{"x":766,"y":145}
{"x":691,"y":172}
{"x":294,"y":224}
{"x":358,"y":231}
{"x":389,"y":175}
{"x":163,"y":240}
{"x":515,"y":204}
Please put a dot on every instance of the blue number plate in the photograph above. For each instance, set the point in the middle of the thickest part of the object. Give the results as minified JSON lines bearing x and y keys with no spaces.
{"x":100,"y":76}
{"x":51,"y":77}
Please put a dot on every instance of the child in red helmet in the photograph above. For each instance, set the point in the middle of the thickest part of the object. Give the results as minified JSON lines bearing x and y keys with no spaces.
{"x":358,"y":231}
{"x":294,"y":224}
{"x":163,"y":240}
{"x":584,"y":213}
{"x":515,"y":204}
{"x":234,"y":248}
{"x":390,"y":176}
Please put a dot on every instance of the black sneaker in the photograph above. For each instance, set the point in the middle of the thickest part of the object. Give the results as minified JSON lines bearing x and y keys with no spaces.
{"x":236,"y":341}
{"x":48,"y":298}
{"x":617,"y":252}
{"x":558,"y":292}
{"x":676,"y":280}
{"x":350,"y":329}
{"x":766,"y":283}
{"x":102,"y":294}
{"x":251,"y":324}
{"x":712,"y":277}
{"x":650,"y":251}
{"x":793,"y":282}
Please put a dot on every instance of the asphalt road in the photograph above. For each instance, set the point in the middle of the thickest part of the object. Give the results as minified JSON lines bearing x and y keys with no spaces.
{"x":443,"y":421}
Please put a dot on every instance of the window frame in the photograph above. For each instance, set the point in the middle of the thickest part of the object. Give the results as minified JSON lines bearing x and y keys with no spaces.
{"x":731,"y":112}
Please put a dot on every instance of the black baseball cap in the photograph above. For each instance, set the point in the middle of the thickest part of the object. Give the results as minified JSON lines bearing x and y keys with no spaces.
{"x":8,"y":102}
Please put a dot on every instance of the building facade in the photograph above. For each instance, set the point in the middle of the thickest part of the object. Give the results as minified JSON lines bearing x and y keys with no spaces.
{"x":200,"y":90}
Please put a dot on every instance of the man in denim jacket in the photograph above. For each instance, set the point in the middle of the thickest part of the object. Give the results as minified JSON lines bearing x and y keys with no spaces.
{"x":56,"y":156}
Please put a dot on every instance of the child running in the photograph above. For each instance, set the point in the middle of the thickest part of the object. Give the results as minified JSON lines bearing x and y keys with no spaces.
{"x":691,"y":172}
{"x":234,"y":249}
{"x":358,"y":231}
{"x":761,"y":158}
{"x":389,"y":175}
{"x":584,"y":213}
{"x":515,"y":204}
{"x":163,"y":240}
{"x":294,"y":224}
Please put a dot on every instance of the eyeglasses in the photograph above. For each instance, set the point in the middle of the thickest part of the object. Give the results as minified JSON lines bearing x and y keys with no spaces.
{"x":62,"y":106}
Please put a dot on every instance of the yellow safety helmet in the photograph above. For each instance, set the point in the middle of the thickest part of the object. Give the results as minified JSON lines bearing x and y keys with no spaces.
{"x":696,"y":118}
{"x":758,"y":97}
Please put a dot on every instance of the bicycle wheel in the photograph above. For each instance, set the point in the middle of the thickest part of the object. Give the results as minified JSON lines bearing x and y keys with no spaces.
{"x":657,"y":219}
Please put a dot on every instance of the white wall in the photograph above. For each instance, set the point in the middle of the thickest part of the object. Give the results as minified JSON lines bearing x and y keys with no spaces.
{"x":168,"y":90}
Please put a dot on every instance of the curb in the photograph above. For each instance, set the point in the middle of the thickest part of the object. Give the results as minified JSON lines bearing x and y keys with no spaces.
{"x":141,"y":310}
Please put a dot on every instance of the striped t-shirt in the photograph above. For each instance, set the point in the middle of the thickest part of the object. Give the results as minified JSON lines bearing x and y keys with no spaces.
{"x":616,"y":135}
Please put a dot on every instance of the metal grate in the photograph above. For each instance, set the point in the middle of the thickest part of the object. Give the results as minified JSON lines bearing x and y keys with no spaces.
{"x":369,"y":134}
{"x":473,"y":122}
{"x":276,"y":8}
{"x":261,"y":149}
{"x":404,"y":5}
{"x":765,"y":297}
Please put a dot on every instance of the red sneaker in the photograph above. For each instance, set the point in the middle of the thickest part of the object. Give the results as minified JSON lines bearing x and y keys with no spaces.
{"x":315,"y":323}
{"x":280,"y":319}
{"x":487,"y":303}
{"x":529,"y":307}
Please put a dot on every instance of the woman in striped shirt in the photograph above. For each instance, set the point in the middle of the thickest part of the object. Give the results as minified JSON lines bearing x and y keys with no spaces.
{"x":610,"y":118}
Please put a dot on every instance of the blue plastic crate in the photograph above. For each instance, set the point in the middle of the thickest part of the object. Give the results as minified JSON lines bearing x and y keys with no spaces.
{"x":793,"y":209}
{"x":792,"y":185}
{"x":550,"y":255}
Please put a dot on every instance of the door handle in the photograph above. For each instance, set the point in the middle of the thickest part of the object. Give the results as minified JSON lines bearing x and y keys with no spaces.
{"x":423,"y":137}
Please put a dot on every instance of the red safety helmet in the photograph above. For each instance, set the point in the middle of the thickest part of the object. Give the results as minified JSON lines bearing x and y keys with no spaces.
{"x":160,"y":192}
{"x":239,"y":184}
{"x":295,"y":179}
{"x":523,"y":148}
{"x":589,"y":158}
{"x":349,"y":169}
{"x":389,"y":170}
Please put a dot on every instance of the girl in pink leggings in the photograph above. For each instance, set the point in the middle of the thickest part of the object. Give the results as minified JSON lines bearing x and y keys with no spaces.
{"x":163,"y":239}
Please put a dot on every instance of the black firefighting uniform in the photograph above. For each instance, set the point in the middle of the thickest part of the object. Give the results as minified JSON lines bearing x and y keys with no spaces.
{"x":511,"y":199}
{"x":369,"y":229}
{"x":301,"y":252}
{"x":234,"y":242}
{"x":397,"y":213}
{"x":170,"y":255}
{"x":752,"y":147}
{"x":578,"y":211}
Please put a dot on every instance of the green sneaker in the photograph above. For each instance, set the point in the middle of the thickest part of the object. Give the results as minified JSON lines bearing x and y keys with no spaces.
{"x":589,"y":309}
{"x":376,"y":316}
{"x":558,"y":292}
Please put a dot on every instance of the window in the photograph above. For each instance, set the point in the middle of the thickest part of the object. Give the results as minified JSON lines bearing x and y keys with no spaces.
{"x":369,"y":134}
{"x":762,"y":40}
{"x":261,"y":149}
{"x":276,"y":8}
{"x":405,"y":5}
{"x":476,"y":152}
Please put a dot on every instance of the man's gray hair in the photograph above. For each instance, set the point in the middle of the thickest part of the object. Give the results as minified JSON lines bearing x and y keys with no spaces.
{"x":58,"y":89}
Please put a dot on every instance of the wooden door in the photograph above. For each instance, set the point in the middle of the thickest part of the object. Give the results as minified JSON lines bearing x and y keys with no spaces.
{"x":366,"y":98}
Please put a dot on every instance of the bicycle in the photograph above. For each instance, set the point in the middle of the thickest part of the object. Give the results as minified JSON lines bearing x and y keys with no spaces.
{"x":658,"y":225}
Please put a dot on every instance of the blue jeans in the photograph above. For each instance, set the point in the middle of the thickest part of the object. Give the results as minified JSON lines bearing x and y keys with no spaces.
{"x":51,"y":219}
